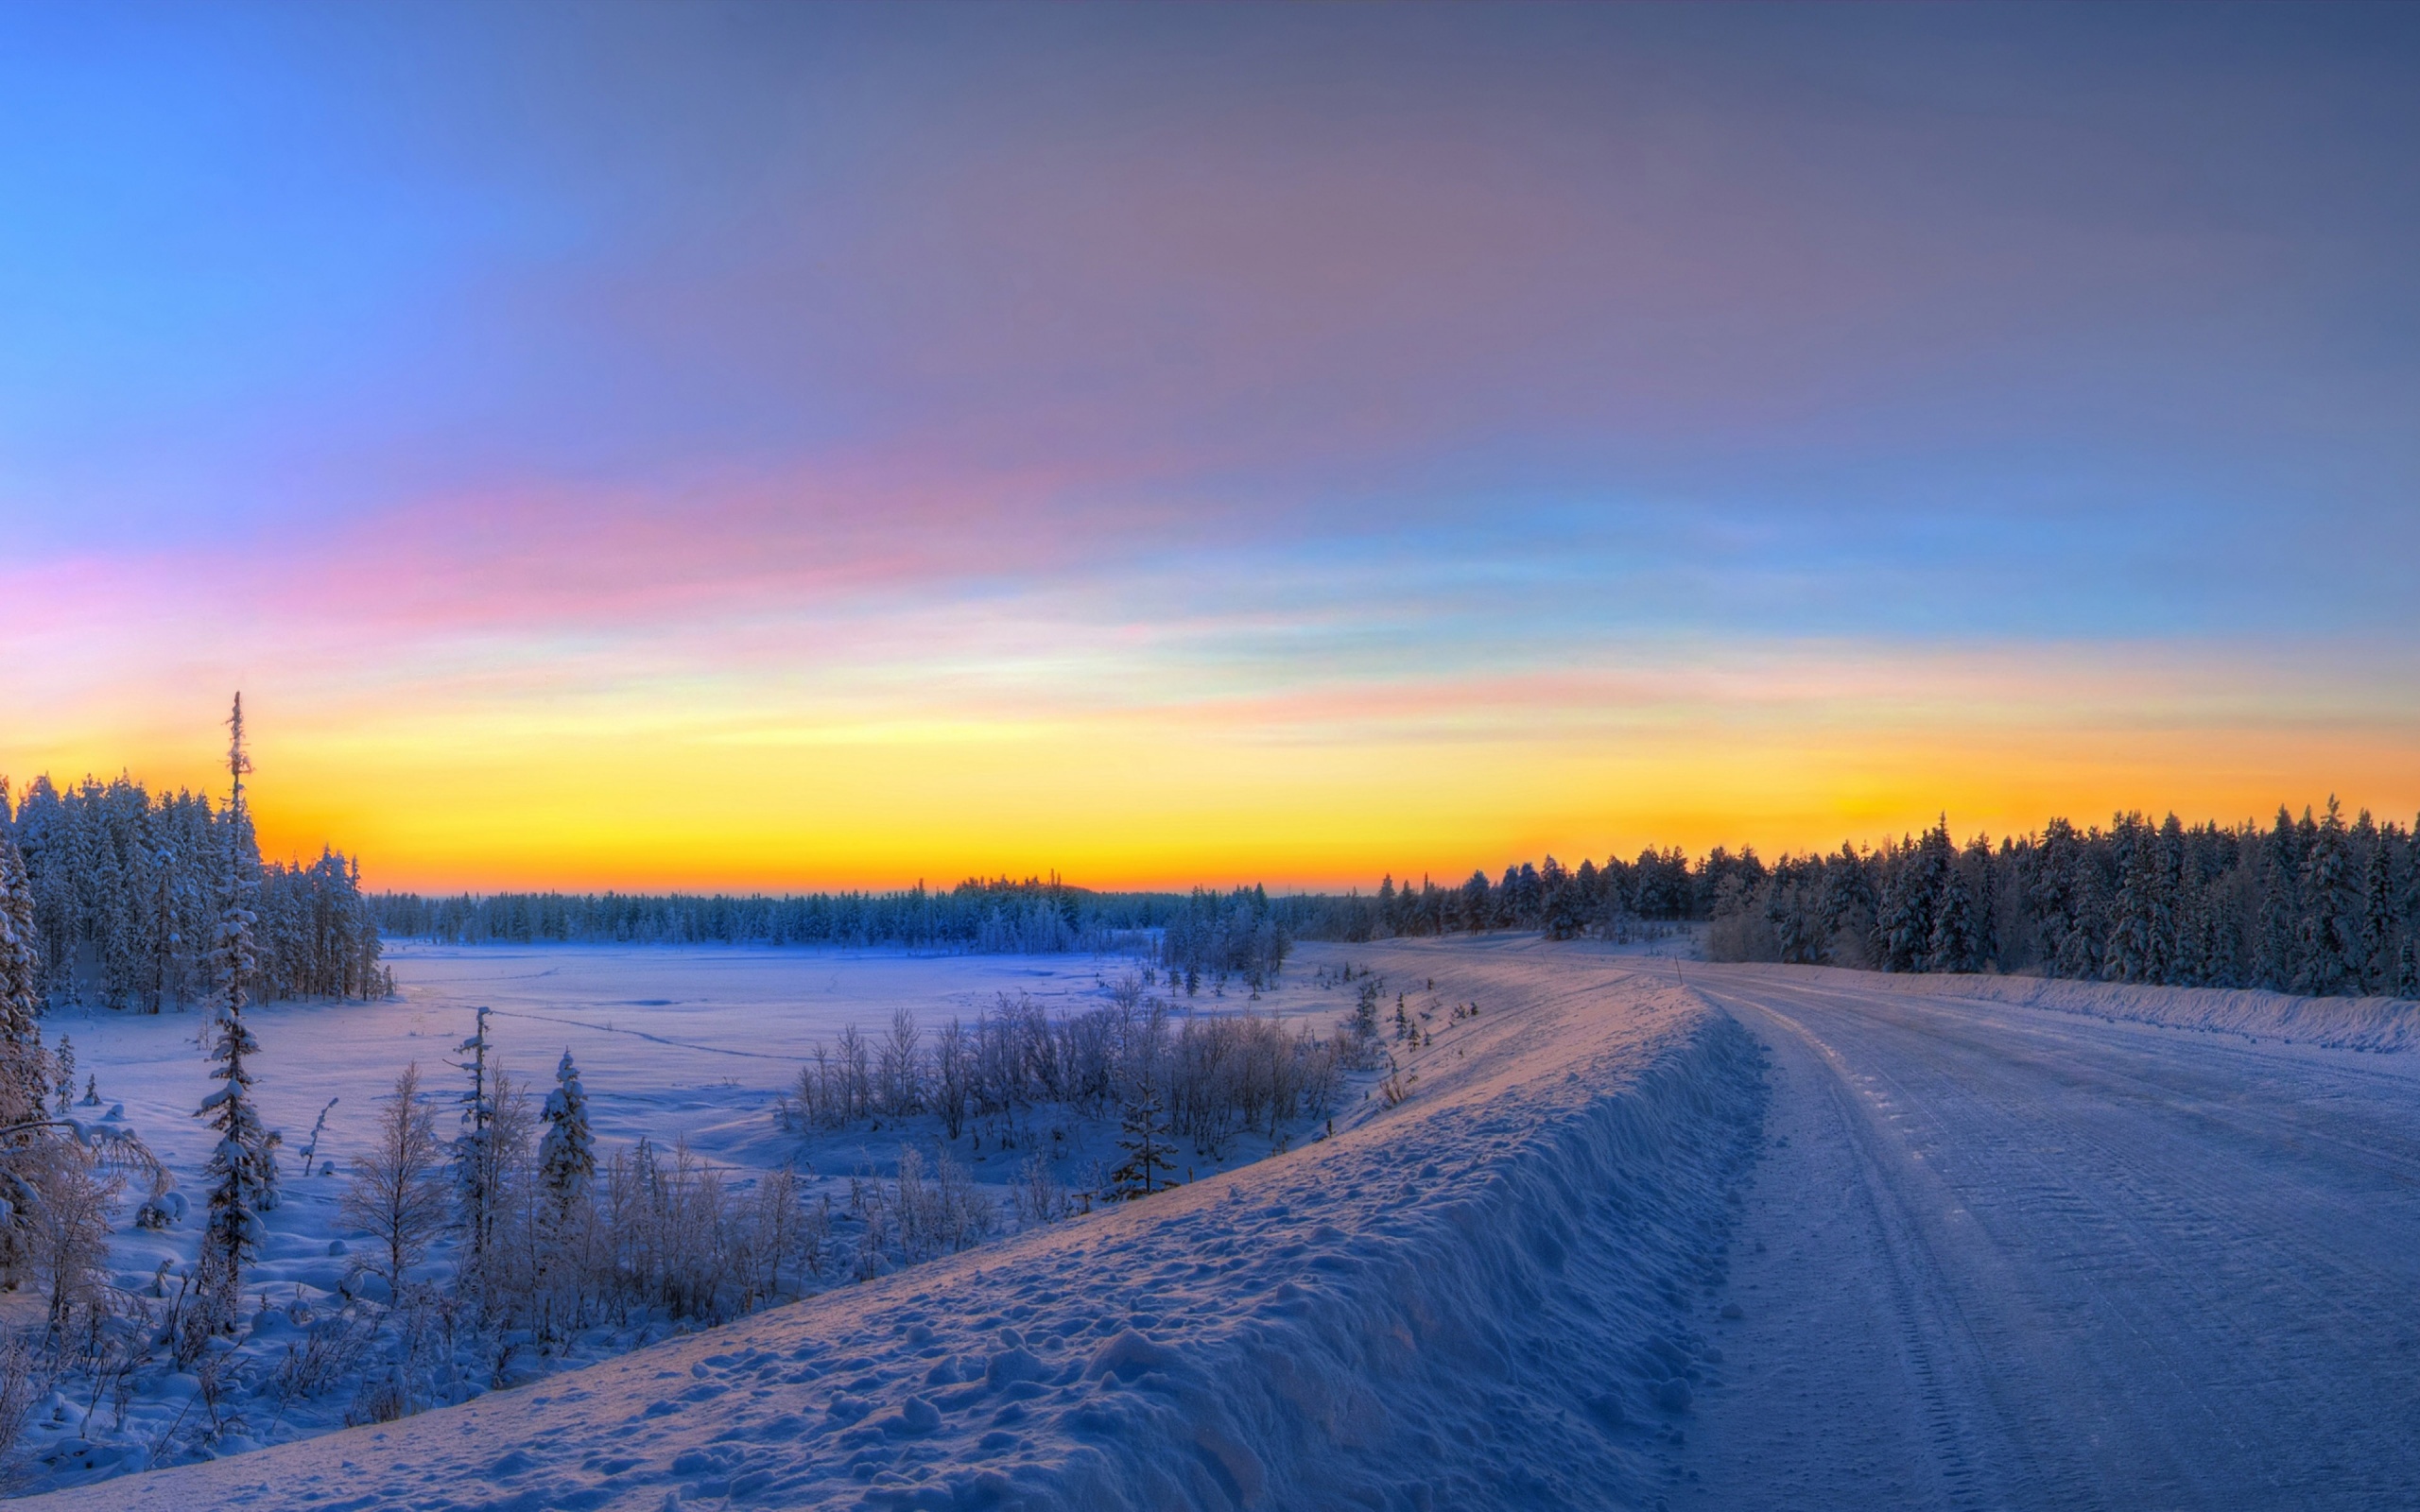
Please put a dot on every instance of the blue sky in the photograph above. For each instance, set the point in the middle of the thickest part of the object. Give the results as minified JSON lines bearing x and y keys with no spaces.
{"x":963,"y":374}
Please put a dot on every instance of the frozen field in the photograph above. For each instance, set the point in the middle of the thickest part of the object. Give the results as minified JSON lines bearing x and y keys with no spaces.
{"x":674,"y":1044}
{"x":1641,"y":1234}
{"x":671,"y":1041}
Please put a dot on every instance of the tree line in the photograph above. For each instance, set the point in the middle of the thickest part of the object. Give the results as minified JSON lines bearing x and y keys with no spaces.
{"x":1035,"y":916}
{"x":1619,"y":899}
{"x":123,"y":898}
{"x":1204,"y":937}
{"x":2315,"y":904}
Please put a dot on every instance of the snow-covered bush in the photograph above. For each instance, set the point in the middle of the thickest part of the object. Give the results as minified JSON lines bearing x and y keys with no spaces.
{"x":1218,"y":1076}
{"x":21,"y":1384}
{"x":398,"y":1194}
{"x":67,"y":1232}
{"x":920,"y":1214}
{"x":1040,"y":1196}
{"x":327,"y":1355}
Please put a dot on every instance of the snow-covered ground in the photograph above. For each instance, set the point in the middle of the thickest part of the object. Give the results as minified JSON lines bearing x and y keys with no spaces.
{"x":674,"y":1044}
{"x":671,"y":1041}
{"x":2341,"y":1024}
{"x":1495,"y":1294}
{"x":1645,"y":1232}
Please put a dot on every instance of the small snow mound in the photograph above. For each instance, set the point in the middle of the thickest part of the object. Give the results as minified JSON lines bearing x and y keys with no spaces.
{"x":1014,"y":1365}
{"x":915,"y":1417}
{"x":1128,"y":1355}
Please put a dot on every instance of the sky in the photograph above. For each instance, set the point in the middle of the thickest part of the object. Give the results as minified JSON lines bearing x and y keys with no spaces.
{"x":781,"y":446}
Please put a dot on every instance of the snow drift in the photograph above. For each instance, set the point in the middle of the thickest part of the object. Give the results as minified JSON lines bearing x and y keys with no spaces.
{"x":1480,"y":1297}
{"x":2340,"y":1024}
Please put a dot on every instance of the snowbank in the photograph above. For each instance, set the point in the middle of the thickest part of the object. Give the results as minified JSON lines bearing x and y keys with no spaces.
{"x":2343,"y":1023}
{"x":1482,"y":1297}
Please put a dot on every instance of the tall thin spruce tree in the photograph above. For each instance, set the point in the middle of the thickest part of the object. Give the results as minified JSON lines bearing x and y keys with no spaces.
{"x":475,"y":1155}
{"x":2133,"y":953}
{"x":2330,"y":924}
{"x":2377,"y":918}
{"x":238,"y":1169}
{"x":24,"y":1064}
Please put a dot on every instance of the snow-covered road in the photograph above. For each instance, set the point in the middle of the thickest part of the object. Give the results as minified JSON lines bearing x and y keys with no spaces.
{"x":2016,"y":1258}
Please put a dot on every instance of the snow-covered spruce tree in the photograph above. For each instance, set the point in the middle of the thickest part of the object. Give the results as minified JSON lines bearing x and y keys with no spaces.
{"x":2330,"y":924}
{"x":2377,"y":917}
{"x":1143,"y":1137}
{"x":1849,"y":908}
{"x":24,"y":1065}
{"x":2133,"y":953}
{"x":567,"y":1153}
{"x":475,"y":1155}
{"x":1952,"y":946}
{"x":239,"y":1170}
{"x":2279,"y":949}
{"x":1362,"y":1029}
{"x":1906,"y":910}
{"x":1982,"y":874}
{"x":25,"y":1068}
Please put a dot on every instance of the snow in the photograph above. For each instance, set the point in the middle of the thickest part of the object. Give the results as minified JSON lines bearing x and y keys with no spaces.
{"x":672,"y":1042}
{"x":1644,"y":1232}
{"x":2343,"y":1023}
{"x":2001,"y":1257}
{"x":1476,"y":1297}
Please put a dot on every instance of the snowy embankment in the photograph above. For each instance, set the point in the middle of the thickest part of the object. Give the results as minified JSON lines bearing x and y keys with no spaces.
{"x":2340,"y":1024}
{"x":1483,"y":1297}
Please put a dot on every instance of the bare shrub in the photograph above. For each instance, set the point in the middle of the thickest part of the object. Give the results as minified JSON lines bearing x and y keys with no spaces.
{"x":398,"y":1194}
{"x":325,"y":1356}
{"x":1039,"y":1196}
{"x":21,"y":1384}
{"x":920,"y":1215}
{"x":67,"y":1232}
{"x":381,"y":1398}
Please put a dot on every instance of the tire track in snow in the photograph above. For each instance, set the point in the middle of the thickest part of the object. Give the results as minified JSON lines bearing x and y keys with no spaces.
{"x":1981,"y":1455}
{"x":655,"y":1038}
{"x":2188,"y":1260}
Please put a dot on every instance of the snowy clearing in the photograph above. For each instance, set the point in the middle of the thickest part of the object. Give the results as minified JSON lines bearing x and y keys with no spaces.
{"x":1493,"y":1294}
{"x":677,"y":1045}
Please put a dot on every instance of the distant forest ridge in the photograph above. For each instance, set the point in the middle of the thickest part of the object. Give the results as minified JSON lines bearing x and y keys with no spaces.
{"x":1035,"y":914}
{"x":1241,"y":933}
{"x":111,"y":892}
{"x":2313,"y":905}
